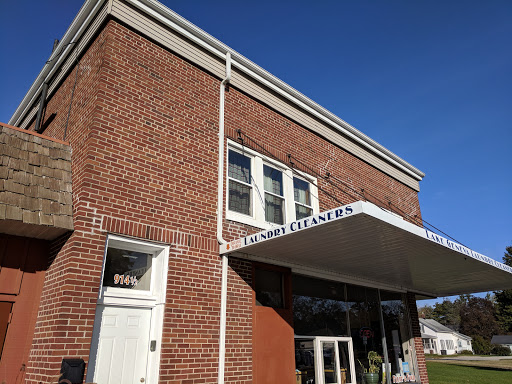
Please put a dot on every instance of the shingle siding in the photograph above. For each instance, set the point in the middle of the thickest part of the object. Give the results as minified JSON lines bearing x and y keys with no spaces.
{"x":35,"y":184}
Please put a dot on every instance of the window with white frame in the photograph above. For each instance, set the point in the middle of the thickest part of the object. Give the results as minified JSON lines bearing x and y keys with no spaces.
{"x":263,"y":192}
{"x":240,"y":183}
{"x":133,"y":269}
{"x":274,"y":195}
{"x":302,"y":197}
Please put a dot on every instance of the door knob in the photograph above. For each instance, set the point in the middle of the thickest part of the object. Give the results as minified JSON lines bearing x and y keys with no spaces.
{"x":141,"y":379}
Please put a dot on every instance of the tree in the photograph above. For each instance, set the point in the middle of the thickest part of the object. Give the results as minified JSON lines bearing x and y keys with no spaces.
{"x":481,"y":346}
{"x":426,"y":312}
{"x":448,"y":313}
{"x":504,"y":299}
{"x":478,"y":318}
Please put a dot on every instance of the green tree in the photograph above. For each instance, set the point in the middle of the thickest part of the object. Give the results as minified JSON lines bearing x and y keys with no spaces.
{"x":481,"y":346}
{"x":425,"y":312}
{"x":478,"y":318}
{"x":504,"y":299}
{"x":448,"y":313}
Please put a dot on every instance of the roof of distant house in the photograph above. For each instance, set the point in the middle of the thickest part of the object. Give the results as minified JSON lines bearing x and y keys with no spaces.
{"x":501,"y":339}
{"x":440,"y":328}
{"x":461,"y":336}
{"x":435,"y":325}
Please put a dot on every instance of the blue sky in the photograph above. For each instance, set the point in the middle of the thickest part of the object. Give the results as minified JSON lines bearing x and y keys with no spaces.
{"x":429,"y":80}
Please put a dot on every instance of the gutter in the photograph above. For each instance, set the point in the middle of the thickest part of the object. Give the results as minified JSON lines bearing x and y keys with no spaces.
{"x":217,"y":48}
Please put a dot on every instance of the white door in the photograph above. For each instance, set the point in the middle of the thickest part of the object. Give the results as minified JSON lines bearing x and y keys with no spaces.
{"x":122,"y":346}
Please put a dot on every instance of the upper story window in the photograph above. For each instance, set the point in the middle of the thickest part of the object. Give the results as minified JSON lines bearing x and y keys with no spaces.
{"x":263,"y":192}
{"x":302,"y":196}
{"x":274,"y":195}
{"x":240,"y":184}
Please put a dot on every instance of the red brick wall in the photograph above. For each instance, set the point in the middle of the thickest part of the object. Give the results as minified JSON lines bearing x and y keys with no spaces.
{"x":281,"y":136}
{"x":142,"y":166}
{"x":67,"y":308}
{"x":416,"y":334}
{"x":143,"y":129}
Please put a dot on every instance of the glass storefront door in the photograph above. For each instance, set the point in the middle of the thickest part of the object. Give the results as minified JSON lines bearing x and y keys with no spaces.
{"x":324,"y":360}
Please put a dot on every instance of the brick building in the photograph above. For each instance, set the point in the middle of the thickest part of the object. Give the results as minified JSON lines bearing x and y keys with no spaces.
{"x":310,"y":254}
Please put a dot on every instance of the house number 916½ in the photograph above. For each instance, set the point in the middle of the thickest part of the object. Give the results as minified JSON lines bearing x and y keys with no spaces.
{"x":125,"y":279}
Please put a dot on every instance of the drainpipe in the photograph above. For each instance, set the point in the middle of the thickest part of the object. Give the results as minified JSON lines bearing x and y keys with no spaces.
{"x":42,"y":105}
{"x":224,"y":279}
{"x":44,"y":93}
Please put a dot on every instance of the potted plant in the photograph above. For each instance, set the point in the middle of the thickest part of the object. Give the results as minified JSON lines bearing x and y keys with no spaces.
{"x":371,"y":373}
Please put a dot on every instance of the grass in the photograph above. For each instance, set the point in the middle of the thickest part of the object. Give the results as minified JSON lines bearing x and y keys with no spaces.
{"x":469,"y":372}
{"x":504,"y":364}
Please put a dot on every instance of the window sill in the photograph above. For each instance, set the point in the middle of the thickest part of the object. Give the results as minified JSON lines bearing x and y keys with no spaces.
{"x":248,"y":220}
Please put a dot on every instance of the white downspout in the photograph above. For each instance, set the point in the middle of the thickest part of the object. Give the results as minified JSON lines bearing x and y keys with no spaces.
{"x":224,"y":279}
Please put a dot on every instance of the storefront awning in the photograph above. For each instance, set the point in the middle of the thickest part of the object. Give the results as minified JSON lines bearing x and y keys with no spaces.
{"x":363,"y":241}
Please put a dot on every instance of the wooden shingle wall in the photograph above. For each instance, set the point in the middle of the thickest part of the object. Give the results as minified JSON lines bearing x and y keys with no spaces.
{"x":35,"y":185}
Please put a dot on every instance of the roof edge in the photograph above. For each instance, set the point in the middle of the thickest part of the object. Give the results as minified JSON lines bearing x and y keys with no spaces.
{"x":59,"y":54}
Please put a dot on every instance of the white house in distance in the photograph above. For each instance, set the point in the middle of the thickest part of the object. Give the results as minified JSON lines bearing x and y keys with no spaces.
{"x":504,"y":340}
{"x":441,"y":340}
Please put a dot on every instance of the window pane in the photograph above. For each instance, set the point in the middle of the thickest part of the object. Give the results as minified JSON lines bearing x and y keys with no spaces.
{"x":273,"y":180}
{"x":127,"y":269}
{"x":319,"y":307}
{"x":329,"y":368}
{"x":269,"y":288}
{"x":239,"y":167}
{"x":239,"y":198}
{"x":344,"y":361}
{"x":305,"y":360}
{"x":301,"y":191}
{"x":397,"y":332}
{"x":302,"y":211}
{"x":363,"y":305}
{"x":274,"y":209}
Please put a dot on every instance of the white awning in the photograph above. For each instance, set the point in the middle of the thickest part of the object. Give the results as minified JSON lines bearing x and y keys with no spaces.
{"x":364,"y":242}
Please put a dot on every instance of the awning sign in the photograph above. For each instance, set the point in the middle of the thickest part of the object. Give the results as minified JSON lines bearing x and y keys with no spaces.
{"x":466,"y":251}
{"x":294,"y":226}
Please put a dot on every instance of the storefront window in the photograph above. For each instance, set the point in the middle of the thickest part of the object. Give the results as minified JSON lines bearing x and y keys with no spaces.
{"x":342,"y":317}
{"x":397,"y":334}
{"x":365,"y":330}
{"x":269,"y":288}
{"x":319,"y":307}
